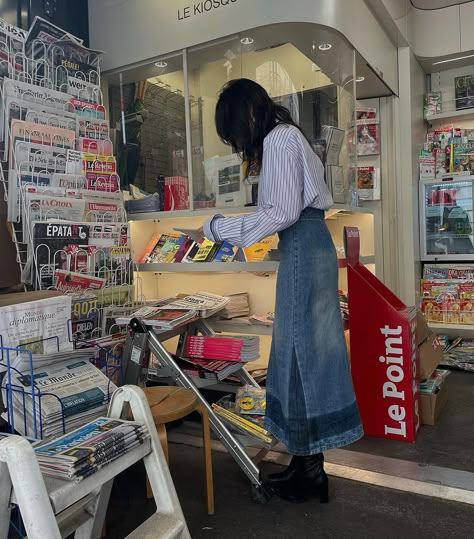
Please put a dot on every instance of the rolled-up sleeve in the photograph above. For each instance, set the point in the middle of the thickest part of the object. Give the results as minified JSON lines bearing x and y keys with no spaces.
{"x":281,"y":192}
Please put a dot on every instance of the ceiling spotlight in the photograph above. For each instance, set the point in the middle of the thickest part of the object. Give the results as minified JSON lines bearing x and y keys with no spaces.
{"x":247,"y":40}
{"x":325,"y":46}
{"x":360,"y":79}
{"x":161,"y":64}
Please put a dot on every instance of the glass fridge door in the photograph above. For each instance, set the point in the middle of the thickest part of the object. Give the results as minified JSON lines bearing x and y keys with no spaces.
{"x":448,"y":220}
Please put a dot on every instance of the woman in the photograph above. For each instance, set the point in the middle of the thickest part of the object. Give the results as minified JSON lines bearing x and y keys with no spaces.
{"x":311,"y":405}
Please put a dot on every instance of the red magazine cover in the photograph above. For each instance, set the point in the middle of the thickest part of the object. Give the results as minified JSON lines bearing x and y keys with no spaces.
{"x":68,"y":281}
{"x":176,"y":193}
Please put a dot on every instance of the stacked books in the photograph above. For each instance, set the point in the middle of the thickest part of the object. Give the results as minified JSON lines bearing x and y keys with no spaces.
{"x":86,"y":450}
{"x":223,"y":347}
{"x":174,"y":247}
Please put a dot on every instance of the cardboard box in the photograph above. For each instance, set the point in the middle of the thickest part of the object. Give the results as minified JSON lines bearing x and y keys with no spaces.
{"x":433,"y":404}
{"x":384,"y":352}
{"x":430,"y":350}
{"x":25,"y":297}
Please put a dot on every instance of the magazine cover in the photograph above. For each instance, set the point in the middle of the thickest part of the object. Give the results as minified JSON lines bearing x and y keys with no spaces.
{"x":92,"y":128}
{"x":103,"y":212}
{"x":258,"y":251}
{"x":40,"y":134}
{"x":85,"y":314}
{"x":368,"y":183}
{"x":102,"y":182}
{"x":368,"y":141}
{"x":69,"y":181}
{"x":94,"y":146}
{"x":15,"y":182}
{"x":50,"y":240}
{"x":69,"y":281}
{"x":30,"y":111}
{"x":44,"y":207}
{"x":464,"y":92}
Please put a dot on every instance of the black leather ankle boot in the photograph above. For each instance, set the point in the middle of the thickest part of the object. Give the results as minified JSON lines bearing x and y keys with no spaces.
{"x":274,"y":478}
{"x":308,"y":480}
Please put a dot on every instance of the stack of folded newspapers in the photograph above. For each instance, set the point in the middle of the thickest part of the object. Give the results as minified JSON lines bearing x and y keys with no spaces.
{"x":68,"y":391}
{"x":86,"y":450}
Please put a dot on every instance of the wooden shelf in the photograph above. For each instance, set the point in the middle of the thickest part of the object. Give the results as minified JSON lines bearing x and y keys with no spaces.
{"x":186,"y":214}
{"x":453,"y":330}
{"x":450,"y":114}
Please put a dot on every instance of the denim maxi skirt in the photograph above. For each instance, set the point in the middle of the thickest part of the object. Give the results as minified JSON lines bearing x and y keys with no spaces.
{"x":311,"y":403}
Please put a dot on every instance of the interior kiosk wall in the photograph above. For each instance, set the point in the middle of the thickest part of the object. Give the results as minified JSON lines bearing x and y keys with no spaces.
{"x":169,"y":105}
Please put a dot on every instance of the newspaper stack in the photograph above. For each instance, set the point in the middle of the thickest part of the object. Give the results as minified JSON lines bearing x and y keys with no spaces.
{"x":83,"y":452}
{"x":24,"y":362}
{"x":238,"y":306}
{"x":205,"y":303}
{"x":65,"y":395}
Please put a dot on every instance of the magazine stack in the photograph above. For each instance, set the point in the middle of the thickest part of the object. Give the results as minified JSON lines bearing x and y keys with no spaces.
{"x":84,"y":451}
{"x":223,"y":347}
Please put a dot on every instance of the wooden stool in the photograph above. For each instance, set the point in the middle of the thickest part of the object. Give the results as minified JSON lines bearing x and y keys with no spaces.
{"x":170,"y":404}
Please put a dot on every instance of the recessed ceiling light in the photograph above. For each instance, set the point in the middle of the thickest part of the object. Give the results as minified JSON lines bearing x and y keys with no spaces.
{"x":325,"y":46}
{"x":453,"y":59}
{"x":360,"y":79}
{"x":247,"y":40}
{"x":161,"y":64}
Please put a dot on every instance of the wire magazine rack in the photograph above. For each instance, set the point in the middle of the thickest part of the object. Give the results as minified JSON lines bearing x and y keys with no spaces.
{"x":51,"y":115}
{"x":107,"y":359}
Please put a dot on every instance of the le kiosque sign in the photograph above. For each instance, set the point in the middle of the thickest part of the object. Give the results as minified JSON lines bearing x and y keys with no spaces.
{"x":201,"y":8}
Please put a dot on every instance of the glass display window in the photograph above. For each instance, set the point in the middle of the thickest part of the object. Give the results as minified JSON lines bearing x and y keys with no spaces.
{"x":165,"y":131}
{"x":447,"y":219}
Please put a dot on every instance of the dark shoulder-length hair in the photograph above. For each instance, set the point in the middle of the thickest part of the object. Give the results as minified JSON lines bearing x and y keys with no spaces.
{"x":245,"y":114}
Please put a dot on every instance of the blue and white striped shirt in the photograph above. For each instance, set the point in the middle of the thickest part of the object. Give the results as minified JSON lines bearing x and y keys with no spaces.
{"x":291,"y":179}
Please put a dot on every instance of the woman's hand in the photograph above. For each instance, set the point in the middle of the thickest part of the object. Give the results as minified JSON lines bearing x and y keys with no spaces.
{"x":196,"y":234}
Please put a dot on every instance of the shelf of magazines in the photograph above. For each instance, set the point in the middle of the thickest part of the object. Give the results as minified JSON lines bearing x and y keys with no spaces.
{"x":466,"y":331}
{"x":71,"y":387}
{"x":336,"y":208}
{"x":221,"y":267}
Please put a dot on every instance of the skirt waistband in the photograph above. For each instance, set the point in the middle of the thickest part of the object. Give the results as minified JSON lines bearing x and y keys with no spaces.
{"x":310,"y":214}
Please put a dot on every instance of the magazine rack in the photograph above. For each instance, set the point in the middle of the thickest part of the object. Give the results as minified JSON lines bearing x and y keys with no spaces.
{"x":154,"y":342}
{"x":54,"y":508}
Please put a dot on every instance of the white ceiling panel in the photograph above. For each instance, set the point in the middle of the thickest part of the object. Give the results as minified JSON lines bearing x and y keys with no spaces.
{"x":437,"y":4}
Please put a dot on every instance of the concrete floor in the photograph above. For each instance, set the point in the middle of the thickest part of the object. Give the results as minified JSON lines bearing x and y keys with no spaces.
{"x":355,"y":511}
{"x":448,"y":444}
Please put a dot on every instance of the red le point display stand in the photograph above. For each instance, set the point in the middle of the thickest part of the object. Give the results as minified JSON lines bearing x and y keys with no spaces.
{"x":384,"y":351}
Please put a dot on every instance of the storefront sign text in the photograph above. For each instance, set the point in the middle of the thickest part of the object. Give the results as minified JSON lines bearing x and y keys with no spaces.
{"x":199,"y":8}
